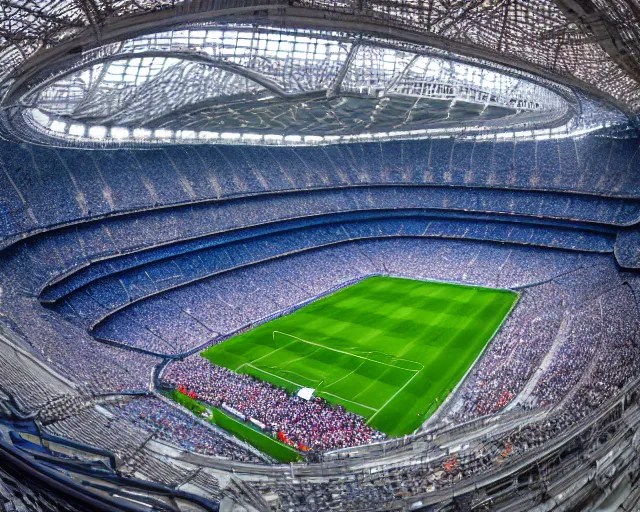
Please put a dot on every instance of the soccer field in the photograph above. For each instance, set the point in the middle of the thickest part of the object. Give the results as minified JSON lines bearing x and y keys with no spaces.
{"x":388,"y":349}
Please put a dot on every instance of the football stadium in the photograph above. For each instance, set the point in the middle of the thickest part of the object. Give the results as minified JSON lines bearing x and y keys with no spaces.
{"x":384,"y":349}
{"x":320,"y":255}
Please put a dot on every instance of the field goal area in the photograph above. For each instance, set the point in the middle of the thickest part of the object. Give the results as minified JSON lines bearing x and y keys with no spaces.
{"x":292,"y":354}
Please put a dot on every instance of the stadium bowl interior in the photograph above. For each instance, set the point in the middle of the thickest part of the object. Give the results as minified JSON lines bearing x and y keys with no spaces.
{"x":205,"y":210}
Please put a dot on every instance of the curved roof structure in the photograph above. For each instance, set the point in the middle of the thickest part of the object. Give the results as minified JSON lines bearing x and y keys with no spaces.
{"x":313,"y":72}
{"x":595,"y":41}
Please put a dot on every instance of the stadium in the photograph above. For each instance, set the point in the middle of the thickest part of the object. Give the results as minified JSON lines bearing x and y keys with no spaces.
{"x":318,"y":255}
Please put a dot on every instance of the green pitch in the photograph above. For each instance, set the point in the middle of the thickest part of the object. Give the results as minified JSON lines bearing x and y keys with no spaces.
{"x":388,"y":349}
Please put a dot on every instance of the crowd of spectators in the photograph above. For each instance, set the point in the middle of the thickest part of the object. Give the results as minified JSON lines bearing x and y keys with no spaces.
{"x":313,"y":423}
{"x":82,"y":186}
{"x":94,"y":366}
{"x":142,"y":284}
{"x":224,"y":303}
{"x":126,"y":242}
{"x":601,"y":374}
{"x":180,"y":428}
{"x":587,"y":319}
{"x":574,"y":338}
{"x":184,"y":318}
{"x":510,"y":361}
{"x":574,"y":333}
{"x":131,"y":259}
{"x":197,"y":314}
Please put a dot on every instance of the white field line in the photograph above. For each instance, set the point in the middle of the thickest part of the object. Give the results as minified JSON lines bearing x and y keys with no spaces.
{"x":262,"y":357}
{"x":394,"y":395}
{"x":301,"y":357}
{"x":415,"y":372}
{"x":297,"y":384}
{"x":343,"y":352}
{"x":365,"y":389}
{"x":345,"y":376}
{"x":272,"y":374}
{"x":351,"y":401}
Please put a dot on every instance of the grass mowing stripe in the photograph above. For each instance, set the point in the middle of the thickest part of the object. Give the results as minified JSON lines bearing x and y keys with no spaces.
{"x":343,"y":377}
{"x":266,"y":355}
{"x":356,"y":403}
{"x":276,"y":376}
{"x":274,"y":379}
{"x":354,"y":407}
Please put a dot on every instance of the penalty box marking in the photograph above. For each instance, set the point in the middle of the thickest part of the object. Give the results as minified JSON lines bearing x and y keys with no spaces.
{"x":297,"y":384}
{"x":296,"y":338}
{"x":394,"y":395}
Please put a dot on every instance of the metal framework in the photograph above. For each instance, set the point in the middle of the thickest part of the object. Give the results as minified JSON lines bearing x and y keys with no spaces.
{"x":27,"y":26}
{"x":291,"y":83}
{"x":595,"y":41}
{"x":490,"y":67}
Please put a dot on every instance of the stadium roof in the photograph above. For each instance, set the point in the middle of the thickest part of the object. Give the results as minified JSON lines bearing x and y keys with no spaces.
{"x":315,"y":71}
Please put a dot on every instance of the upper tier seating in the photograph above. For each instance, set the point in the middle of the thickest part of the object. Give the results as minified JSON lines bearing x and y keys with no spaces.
{"x":99,"y":290}
{"x":51,"y":255}
{"x":41,"y":187}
